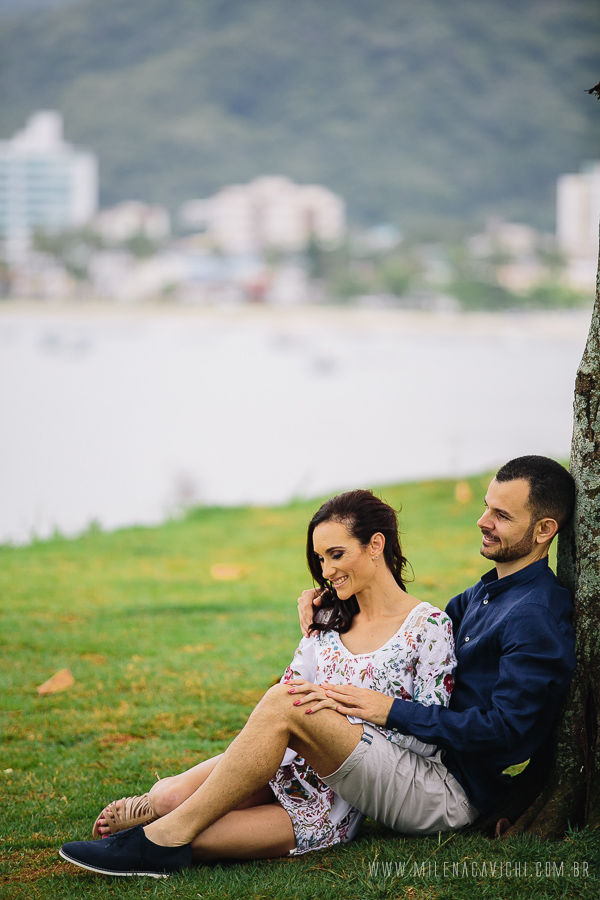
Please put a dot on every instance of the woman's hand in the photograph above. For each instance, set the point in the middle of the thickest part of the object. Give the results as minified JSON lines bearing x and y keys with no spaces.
{"x":360,"y":702}
{"x":306,"y":601}
{"x":311,"y":695}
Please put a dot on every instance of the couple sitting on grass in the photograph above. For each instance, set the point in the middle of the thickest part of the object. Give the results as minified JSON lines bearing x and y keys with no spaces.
{"x":368,"y":719}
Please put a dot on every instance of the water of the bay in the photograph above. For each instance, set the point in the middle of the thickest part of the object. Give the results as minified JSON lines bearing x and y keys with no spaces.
{"x":120,"y":416}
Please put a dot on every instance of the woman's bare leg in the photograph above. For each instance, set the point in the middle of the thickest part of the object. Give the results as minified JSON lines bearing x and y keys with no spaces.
{"x":168,"y":793}
{"x":262,"y":832}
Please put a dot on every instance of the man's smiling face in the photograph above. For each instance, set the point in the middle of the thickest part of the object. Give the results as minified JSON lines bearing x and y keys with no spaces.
{"x":507,"y":525}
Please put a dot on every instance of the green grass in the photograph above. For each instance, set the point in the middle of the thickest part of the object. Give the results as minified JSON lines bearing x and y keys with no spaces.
{"x":168,"y":662}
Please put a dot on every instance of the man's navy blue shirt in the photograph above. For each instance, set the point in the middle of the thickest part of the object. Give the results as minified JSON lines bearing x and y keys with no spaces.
{"x":515,"y":658}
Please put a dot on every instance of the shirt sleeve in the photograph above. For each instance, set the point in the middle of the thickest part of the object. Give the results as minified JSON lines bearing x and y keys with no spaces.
{"x":455,"y":609}
{"x":434,"y":681}
{"x":533,"y":671}
{"x":303,"y":665}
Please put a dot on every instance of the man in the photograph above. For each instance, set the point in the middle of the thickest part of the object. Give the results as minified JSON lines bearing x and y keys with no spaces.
{"x":515,"y":652}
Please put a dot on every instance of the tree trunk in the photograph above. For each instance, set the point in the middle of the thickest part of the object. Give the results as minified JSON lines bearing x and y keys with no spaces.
{"x":561,"y":784}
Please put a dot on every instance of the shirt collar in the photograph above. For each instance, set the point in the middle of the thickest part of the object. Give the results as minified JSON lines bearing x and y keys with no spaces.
{"x":495,"y":585}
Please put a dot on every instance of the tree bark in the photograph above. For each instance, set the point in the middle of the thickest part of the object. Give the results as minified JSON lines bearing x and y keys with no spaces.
{"x":561,"y":785}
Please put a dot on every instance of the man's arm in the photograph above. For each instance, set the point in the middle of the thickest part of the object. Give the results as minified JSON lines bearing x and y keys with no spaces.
{"x":534,"y":673}
{"x":455,"y":608}
{"x":360,"y":702}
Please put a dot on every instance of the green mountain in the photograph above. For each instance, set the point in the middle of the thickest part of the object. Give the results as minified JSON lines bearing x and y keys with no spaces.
{"x":411,"y":109}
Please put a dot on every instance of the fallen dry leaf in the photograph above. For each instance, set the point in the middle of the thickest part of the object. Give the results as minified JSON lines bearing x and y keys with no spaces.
{"x":463,"y":492}
{"x":59,"y":682}
{"x":226,"y":573}
{"x":197,"y":648}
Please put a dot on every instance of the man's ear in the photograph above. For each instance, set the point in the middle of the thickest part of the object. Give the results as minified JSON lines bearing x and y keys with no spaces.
{"x":546,"y":529}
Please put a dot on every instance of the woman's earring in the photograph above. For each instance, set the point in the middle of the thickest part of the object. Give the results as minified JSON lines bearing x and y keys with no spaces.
{"x":375,"y":557}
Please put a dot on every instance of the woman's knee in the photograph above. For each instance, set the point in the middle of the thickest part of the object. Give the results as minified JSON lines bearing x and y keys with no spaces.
{"x":169,"y":793}
{"x":166,"y":795}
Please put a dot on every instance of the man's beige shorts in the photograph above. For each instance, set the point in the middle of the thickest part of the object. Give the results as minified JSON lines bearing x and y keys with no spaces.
{"x":407,"y":792}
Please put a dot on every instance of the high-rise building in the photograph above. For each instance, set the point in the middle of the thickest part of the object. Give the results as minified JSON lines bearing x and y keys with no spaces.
{"x":577,"y":218}
{"x":45,"y":182}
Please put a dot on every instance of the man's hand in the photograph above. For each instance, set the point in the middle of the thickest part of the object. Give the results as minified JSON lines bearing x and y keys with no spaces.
{"x":306,"y":601}
{"x":310,"y":695}
{"x":361,"y":702}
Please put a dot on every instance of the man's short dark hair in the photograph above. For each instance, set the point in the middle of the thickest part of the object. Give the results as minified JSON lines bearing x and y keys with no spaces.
{"x":551,"y":487}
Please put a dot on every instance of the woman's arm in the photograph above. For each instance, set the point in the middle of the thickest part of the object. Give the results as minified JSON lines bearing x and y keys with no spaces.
{"x":304,"y":664}
{"x":434,"y":678}
{"x":300,"y":676}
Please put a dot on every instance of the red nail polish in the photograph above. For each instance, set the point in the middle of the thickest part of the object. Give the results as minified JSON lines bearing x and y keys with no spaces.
{"x":308,"y":712}
{"x":296,"y":703}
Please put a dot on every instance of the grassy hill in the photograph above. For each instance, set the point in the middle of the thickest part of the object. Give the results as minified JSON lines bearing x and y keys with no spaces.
{"x":409,"y":110}
{"x":168,"y":659}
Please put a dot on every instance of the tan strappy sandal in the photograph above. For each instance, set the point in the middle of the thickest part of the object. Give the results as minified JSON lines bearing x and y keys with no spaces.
{"x":125,"y":813}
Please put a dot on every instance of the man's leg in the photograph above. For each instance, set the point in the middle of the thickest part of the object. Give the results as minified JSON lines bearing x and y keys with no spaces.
{"x":325,"y":739}
{"x":168,"y":793}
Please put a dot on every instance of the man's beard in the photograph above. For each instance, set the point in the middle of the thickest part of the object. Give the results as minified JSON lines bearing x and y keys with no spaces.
{"x":514,"y":552}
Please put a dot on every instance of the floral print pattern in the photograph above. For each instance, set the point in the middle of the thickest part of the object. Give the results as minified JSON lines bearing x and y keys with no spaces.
{"x":415,"y":664}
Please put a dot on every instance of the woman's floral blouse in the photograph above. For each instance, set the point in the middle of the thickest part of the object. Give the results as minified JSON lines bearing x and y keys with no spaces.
{"x":415,"y":664}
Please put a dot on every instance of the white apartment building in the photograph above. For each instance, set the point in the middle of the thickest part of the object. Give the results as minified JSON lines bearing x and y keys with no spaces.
{"x":269,"y":212}
{"x":45,"y":182}
{"x":123,"y":221}
{"x":577,"y":223}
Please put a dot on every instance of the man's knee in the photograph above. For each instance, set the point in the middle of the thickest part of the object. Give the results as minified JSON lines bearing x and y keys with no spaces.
{"x":325,"y":738}
{"x":274,"y":704}
{"x":278,"y":705}
{"x":276,"y":698}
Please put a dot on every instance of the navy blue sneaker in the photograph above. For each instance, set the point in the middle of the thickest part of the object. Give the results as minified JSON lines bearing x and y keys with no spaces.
{"x":128,"y":853}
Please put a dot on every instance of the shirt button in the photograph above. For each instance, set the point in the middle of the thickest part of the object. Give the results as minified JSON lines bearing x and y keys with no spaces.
{"x":467,"y":639}
{"x":485,"y":602}
{"x":395,"y":729}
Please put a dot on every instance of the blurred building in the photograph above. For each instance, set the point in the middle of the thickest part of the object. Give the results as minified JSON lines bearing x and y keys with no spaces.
{"x":268,"y":213}
{"x":511,"y":251}
{"x":577,"y":223}
{"x":118,"y":224}
{"x":45,"y":182}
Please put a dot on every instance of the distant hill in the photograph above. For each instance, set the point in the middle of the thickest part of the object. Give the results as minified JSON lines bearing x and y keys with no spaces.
{"x":410,"y":110}
{"x":18,"y":7}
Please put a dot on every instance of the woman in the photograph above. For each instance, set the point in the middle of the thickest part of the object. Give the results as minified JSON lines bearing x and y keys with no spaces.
{"x":369,"y":632}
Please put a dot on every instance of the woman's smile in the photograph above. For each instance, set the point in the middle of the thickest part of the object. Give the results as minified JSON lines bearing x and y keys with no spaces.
{"x":338,"y":582}
{"x":337,"y":549}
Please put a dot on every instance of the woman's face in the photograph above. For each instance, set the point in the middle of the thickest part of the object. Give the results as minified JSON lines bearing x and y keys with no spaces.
{"x":345,"y":562}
